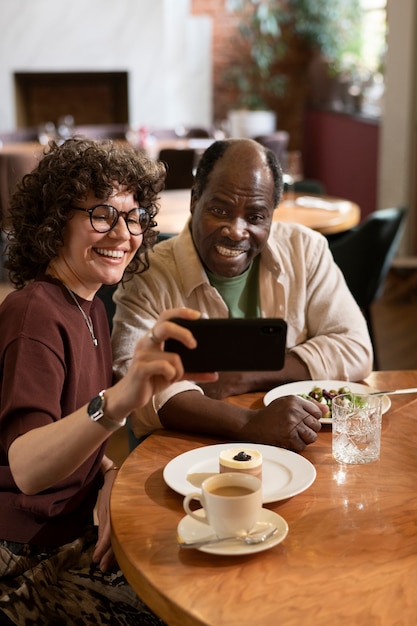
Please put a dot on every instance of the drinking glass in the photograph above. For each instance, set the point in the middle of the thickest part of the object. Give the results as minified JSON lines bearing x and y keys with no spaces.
{"x":356,"y":428}
{"x":46,"y":132}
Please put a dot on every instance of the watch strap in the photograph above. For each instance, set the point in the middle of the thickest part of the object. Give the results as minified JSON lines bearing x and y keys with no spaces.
{"x":109,"y":424}
{"x":95,"y":412}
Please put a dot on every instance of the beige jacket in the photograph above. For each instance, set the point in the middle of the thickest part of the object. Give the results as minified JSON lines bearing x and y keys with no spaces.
{"x":298,"y":281}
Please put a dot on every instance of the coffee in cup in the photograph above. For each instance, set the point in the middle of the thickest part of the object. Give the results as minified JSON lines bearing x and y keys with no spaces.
{"x":232,"y":503}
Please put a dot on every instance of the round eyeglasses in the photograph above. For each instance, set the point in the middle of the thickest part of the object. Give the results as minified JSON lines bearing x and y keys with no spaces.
{"x":104,"y":218}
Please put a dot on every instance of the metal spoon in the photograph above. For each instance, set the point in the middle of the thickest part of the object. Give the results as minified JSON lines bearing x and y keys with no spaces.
{"x":251,"y":538}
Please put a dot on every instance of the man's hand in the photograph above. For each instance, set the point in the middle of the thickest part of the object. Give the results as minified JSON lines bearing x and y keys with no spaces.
{"x":289,"y":422}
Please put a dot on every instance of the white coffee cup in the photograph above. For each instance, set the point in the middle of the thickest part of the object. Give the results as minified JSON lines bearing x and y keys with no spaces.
{"x":232,"y":503}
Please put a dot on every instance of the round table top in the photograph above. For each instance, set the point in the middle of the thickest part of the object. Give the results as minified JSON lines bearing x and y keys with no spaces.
{"x":326,"y":214}
{"x":21,"y":147}
{"x":349,"y":556}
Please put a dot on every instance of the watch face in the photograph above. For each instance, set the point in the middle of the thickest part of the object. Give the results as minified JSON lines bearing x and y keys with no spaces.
{"x":96,"y":406}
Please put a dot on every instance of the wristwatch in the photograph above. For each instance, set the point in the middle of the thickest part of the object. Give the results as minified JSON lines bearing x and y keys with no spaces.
{"x":95,"y":412}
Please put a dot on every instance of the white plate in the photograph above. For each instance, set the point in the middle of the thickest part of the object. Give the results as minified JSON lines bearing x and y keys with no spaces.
{"x":284,"y":473}
{"x":313,"y":202}
{"x":190,"y":529}
{"x":305,"y":386}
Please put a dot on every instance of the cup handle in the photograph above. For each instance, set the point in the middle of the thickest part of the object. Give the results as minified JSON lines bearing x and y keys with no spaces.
{"x":186,"y":504}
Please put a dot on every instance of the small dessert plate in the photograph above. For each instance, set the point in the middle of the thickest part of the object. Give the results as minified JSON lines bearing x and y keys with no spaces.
{"x":189,"y":529}
{"x":284,"y":473}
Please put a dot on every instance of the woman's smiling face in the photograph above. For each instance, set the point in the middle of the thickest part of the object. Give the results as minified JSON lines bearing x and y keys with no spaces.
{"x":231,"y":220}
{"x":89,"y":259}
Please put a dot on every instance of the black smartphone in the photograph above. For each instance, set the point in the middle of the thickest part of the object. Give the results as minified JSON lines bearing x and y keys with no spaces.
{"x":233,"y":344}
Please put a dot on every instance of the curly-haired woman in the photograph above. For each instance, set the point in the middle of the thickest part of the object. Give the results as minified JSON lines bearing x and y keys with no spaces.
{"x":83,"y":218}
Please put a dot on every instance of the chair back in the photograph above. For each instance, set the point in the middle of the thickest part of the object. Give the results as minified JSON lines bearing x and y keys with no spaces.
{"x":277,"y":142}
{"x":364,"y":255}
{"x":365,"y":252}
{"x":198,"y":132}
{"x":105,"y":293}
{"x":180,"y":164}
{"x":308,"y":185}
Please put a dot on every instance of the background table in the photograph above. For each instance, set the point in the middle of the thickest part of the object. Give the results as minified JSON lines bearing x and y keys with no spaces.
{"x":20,"y":158}
{"x":349,"y":558}
{"x":175,"y":210}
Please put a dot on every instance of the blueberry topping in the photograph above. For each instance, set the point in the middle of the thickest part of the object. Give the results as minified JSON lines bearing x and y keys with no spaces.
{"x":242,"y":456}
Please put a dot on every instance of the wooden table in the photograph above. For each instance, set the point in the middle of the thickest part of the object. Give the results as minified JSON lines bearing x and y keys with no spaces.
{"x":175,"y":210}
{"x":350,"y":557}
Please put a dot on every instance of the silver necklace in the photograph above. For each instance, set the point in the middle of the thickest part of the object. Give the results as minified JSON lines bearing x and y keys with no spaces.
{"x":87,"y":319}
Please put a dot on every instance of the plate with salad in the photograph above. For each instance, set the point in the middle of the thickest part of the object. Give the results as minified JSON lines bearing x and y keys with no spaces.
{"x":323,"y":391}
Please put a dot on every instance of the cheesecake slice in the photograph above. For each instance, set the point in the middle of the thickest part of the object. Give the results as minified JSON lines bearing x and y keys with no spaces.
{"x":241,"y":460}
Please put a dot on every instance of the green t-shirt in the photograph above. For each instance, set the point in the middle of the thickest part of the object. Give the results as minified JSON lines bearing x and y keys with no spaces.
{"x":241,"y":293}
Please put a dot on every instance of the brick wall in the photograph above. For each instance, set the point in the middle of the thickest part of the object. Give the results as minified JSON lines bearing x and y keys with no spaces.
{"x":223,"y":53}
{"x":290,"y":108}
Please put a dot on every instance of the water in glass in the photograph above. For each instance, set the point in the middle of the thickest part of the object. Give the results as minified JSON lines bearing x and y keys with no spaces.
{"x":356,"y":428}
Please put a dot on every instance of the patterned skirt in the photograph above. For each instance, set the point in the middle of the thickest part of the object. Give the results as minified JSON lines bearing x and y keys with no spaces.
{"x":64,"y":587}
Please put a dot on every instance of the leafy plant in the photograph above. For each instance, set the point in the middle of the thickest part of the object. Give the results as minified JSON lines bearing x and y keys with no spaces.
{"x":266,"y":30}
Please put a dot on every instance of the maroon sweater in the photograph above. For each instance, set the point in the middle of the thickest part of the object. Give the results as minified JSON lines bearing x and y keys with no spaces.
{"x":49,"y":367}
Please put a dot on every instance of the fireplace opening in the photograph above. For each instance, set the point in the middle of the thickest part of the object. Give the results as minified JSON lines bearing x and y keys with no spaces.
{"x":89,"y":97}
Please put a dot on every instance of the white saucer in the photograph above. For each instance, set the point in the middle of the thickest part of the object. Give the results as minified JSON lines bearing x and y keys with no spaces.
{"x":190,"y":529}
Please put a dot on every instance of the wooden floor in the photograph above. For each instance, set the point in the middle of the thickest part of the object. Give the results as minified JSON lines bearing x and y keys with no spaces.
{"x":395,"y":326}
{"x":395,"y":321}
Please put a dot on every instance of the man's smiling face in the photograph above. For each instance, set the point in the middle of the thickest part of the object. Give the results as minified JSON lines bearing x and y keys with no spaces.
{"x":231,"y":220}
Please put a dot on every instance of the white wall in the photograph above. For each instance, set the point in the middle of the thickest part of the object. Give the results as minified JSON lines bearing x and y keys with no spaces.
{"x":398,"y":150}
{"x":166,"y":52}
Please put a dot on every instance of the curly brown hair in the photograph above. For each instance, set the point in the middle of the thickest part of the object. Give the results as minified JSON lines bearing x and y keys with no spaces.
{"x":41,"y":205}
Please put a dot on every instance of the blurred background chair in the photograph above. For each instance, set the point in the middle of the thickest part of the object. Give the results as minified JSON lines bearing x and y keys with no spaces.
{"x":164,"y":236}
{"x":364,"y":255}
{"x":277,"y":142}
{"x":180,"y":164}
{"x":307,"y":185}
{"x":105,"y":293}
{"x":196,"y":132}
